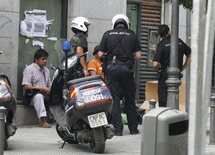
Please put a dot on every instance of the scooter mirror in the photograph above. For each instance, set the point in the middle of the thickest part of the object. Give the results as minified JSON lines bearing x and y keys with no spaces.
{"x":52,"y":67}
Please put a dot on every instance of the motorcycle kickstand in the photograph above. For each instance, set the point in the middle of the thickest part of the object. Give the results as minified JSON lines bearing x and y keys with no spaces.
{"x":64,"y":141}
{"x":63,"y":144}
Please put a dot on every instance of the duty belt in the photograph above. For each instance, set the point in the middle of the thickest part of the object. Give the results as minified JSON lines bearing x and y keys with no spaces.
{"x":116,"y":60}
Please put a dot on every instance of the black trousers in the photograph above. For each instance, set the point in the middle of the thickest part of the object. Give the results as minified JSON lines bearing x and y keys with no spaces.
{"x":162,"y":89}
{"x":120,"y":81}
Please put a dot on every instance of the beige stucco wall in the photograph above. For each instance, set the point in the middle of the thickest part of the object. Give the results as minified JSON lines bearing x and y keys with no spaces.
{"x":99,"y":12}
{"x":94,"y":10}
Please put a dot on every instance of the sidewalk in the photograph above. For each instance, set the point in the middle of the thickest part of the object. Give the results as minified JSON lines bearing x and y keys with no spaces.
{"x":31,"y":140}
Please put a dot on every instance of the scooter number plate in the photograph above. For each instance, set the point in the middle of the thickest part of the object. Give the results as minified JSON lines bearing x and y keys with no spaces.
{"x":97,"y":120}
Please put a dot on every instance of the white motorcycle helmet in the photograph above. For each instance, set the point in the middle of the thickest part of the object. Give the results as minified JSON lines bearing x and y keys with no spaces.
{"x":80,"y":23}
{"x":120,"y":18}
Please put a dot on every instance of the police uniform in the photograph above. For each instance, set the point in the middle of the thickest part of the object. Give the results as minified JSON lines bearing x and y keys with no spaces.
{"x":80,"y":40}
{"x":119,"y":45}
{"x":162,"y":56}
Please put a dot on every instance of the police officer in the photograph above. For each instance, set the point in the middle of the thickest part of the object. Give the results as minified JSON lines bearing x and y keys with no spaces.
{"x":79,"y":26}
{"x":161,"y":61}
{"x":121,"y":47}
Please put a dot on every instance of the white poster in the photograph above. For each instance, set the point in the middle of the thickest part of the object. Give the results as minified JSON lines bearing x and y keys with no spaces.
{"x":35,"y":23}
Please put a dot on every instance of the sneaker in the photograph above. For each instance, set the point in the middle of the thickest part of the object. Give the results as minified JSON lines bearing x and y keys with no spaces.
{"x":117,"y":133}
{"x":134,"y":132}
{"x":43,"y":124}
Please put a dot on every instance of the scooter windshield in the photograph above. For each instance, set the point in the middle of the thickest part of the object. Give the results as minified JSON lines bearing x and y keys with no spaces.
{"x":71,"y":61}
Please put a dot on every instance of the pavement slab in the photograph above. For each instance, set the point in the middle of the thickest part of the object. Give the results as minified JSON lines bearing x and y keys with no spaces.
{"x":32,"y":140}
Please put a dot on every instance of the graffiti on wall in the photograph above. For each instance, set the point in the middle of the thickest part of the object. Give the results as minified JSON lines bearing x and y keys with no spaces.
{"x":4,"y":20}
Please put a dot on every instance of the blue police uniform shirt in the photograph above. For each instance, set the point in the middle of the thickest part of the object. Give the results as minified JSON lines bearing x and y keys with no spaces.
{"x":162,"y":54}
{"x":120,"y":42}
{"x":80,"y":40}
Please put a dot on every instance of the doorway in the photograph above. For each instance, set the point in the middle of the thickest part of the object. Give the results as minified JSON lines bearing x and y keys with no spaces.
{"x":56,"y":10}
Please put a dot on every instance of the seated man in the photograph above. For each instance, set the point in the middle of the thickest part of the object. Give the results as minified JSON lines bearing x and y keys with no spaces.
{"x":36,"y":82}
{"x":95,"y":65}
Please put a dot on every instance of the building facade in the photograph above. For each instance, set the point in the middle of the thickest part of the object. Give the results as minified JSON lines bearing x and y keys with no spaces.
{"x":19,"y":48}
{"x":145,"y":16}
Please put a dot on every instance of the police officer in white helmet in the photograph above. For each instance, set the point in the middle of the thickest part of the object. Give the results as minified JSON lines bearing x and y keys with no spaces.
{"x":79,"y":26}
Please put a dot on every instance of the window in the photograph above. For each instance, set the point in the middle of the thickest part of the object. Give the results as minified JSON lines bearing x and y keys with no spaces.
{"x":152,"y":44}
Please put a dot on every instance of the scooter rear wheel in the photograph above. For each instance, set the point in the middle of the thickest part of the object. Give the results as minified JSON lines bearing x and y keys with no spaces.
{"x":64,"y":135}
{"x":98,"y":145}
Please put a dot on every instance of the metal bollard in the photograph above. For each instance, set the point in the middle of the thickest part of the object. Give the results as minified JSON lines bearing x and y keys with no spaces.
{"x":2,"y":128}
{"x":212,"y":120}
{"x":152,"y":104}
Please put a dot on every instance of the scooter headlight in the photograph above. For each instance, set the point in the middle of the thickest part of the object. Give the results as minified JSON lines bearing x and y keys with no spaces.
{"x":6,"y":97}
{"x":5,"y":93}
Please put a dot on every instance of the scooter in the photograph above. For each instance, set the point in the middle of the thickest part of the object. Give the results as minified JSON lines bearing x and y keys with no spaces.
{"x":7,"y":100}
{"x":86,"y":102}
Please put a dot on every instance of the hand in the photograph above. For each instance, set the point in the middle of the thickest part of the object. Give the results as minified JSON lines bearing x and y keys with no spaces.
{"x":43,"y":89}
{"x":46,"y":90}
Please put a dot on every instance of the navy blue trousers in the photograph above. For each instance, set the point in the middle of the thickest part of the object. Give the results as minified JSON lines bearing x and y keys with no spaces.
{"x":120,"y":81}
{"x":162,"y":89}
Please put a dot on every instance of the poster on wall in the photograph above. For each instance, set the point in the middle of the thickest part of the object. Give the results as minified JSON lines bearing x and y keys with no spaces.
{"x":35,"y":23}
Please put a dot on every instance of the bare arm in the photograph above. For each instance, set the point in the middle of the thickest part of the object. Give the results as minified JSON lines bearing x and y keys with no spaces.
{"x":187,"y":62}
{"x":83,"y":63}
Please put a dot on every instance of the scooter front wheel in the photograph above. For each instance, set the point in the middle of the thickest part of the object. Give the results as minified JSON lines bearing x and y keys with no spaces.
{"x":98,"y":144}
{"x":64,"y":135}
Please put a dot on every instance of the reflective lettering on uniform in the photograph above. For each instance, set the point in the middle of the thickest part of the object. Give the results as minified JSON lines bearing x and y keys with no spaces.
{"x":119,"y":33}
{"x":167,"y":45}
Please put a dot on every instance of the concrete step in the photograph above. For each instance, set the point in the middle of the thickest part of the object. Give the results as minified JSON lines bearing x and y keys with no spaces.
{"x":25,"y":115}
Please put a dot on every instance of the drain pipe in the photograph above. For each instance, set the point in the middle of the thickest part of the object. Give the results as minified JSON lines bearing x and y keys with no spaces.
{"x":2,"y":128}
{"x":212,"y":120}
